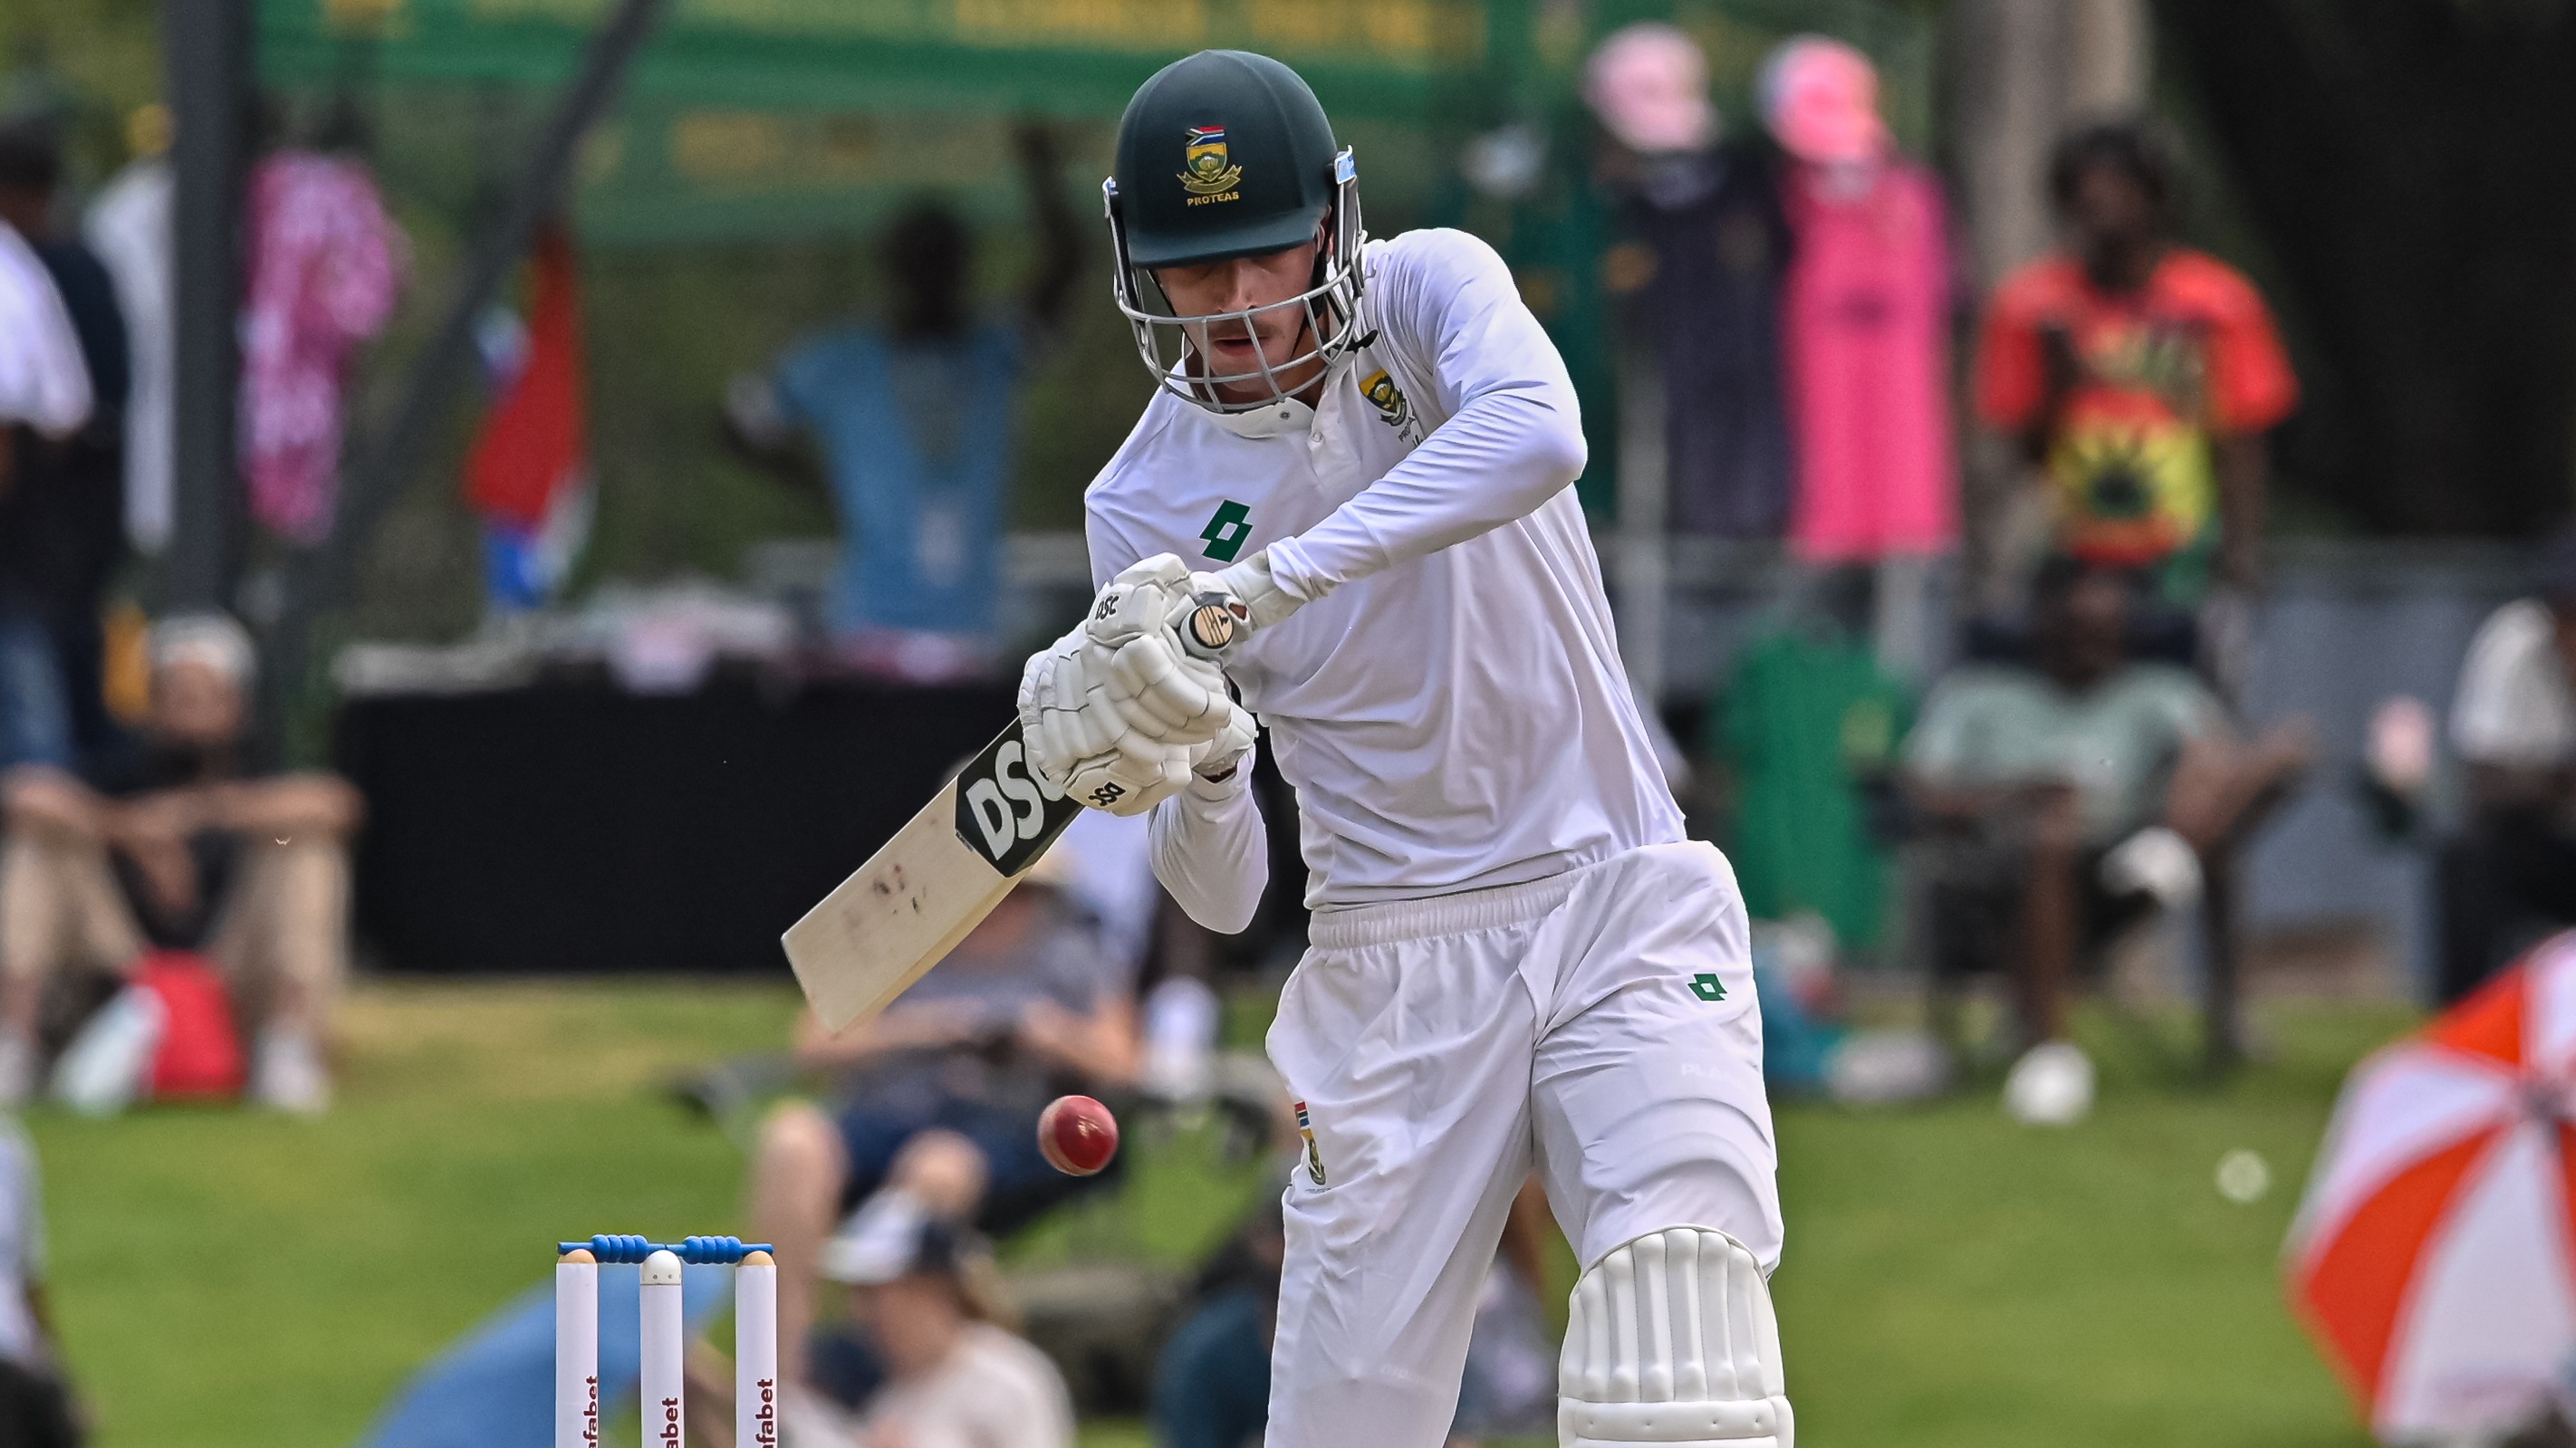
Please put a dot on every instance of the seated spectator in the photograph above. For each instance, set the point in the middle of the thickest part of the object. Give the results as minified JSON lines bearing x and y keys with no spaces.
{"x":2509,"y":873}
{"x":1212,"y":1378}
{"x":944,"y":1369}
{"x":943,"y":1091}
{"x":2080,"y":787}
{"x":178,"y":847}
{"x":953,"y":1376}
{"x":1211,"y":1384}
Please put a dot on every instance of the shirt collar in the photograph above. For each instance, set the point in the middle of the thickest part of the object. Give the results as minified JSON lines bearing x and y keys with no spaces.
{"x":1285,"y":417}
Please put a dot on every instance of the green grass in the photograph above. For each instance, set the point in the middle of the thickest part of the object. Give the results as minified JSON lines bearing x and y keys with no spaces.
{"x":1952,"y":1278}
{"x":228,"y":1279}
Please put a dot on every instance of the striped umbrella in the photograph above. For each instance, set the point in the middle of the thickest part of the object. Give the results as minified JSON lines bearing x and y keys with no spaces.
{"x":2435,"y":1254}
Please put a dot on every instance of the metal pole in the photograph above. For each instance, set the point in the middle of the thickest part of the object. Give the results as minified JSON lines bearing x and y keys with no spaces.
{"x":320,"y":579}
{"x":206,"y":57}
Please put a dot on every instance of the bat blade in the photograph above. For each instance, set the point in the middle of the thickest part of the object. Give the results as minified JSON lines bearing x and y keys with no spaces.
{"x":922,"y":891}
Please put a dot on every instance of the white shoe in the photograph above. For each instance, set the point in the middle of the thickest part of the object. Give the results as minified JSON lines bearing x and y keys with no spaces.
{"x":2051,"y":1085}
{"x":17,"y":1069}
{"x":108,"y":1066}
{"x":288,"y":1075}
{"x":2155,"y":861}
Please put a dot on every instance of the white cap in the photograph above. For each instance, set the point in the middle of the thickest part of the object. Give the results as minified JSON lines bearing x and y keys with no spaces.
{"x":209,"y":639}
{"x":879,"y":1241}
{"x":662,"y":1269}
{"x":892,"y":1235}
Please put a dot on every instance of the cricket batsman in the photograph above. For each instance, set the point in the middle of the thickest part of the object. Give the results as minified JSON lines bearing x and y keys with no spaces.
{"x":1349,"y":507}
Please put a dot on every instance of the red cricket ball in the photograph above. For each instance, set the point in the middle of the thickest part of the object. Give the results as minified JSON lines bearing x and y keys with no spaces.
{"x":1077,"y":1135}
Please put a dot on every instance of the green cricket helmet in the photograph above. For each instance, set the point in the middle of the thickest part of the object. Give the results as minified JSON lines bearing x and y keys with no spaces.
{"x":1220,"y":155}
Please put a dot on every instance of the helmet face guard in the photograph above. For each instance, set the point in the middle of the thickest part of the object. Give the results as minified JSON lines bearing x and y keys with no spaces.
{"x":1173,"y":345}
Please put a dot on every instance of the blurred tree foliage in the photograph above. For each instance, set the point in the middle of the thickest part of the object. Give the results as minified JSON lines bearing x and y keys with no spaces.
{"x":2407,"y":162}
{"x":84,"y":63}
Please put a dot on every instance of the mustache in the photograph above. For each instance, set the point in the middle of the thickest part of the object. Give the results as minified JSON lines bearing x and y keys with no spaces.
{"x":1236,"y":329}
{"x":1253,"y":330}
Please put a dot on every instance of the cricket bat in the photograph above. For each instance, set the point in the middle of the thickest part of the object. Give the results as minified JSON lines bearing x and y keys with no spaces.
{"x":918,"y":895}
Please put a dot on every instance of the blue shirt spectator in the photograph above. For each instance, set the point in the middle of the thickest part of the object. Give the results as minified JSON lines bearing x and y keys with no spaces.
{"x":914,"y":418}
{"x":917,"y":440}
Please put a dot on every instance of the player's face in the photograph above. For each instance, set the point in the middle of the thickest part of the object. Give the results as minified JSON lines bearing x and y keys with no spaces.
{"x":1250,"y":284}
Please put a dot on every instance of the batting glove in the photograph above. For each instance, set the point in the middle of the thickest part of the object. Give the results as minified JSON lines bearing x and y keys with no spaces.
{"x":1078,"y":742}
{"x":1223,"y":765}
{"x":1115,"y":712}
{"x":1160,"y":690}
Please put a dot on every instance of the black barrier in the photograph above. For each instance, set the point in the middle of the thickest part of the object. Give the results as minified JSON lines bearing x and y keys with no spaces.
{"x":574,"y":828}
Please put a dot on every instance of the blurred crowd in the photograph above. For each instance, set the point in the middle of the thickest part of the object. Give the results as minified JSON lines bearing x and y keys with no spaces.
{"x":2082,"y":764}
{"x":150,"y":844}
{"x":173,"y":907}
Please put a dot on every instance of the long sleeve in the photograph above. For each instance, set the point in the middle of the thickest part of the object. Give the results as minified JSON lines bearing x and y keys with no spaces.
{"x":1210,"y":850}
{"x":1514,"y":434}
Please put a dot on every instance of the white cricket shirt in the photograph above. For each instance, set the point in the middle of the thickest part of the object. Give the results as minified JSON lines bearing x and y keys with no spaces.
{"x":1449,"y":703}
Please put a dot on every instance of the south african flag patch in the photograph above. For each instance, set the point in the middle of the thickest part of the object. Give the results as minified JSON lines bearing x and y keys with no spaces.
{"x":1314,"y":1154}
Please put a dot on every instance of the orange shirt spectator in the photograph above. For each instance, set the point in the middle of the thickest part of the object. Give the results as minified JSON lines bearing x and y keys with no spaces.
{"x":2129,"y":365}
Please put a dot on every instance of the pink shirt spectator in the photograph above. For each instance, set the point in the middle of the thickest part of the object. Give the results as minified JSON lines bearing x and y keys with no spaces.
{"x":1865,"y":337}
{"x":325,"y":268}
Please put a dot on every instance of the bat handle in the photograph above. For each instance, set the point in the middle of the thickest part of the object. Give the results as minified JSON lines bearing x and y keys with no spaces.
{"x":1210,"y":623}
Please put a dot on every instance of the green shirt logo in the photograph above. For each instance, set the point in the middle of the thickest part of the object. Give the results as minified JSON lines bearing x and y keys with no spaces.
{"x":1708,"y":988}
{"x":1226,"y":531}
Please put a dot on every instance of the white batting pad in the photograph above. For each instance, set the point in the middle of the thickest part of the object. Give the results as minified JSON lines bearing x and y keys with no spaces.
{"x":1672,"y":1341}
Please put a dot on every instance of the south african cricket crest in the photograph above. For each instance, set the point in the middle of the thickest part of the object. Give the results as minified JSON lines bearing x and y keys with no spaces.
{"x":1210,"y":174}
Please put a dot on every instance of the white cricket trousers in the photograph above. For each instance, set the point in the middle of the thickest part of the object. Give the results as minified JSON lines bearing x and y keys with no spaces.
{"x":1599,"y":1024}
